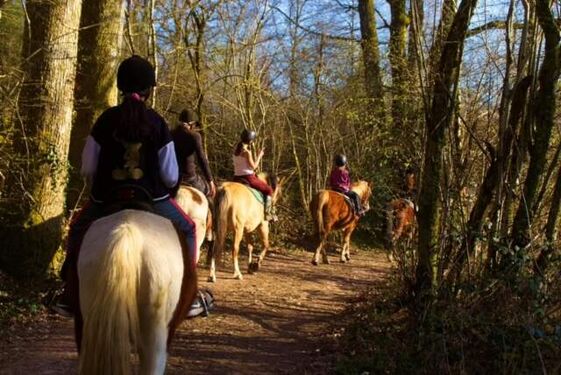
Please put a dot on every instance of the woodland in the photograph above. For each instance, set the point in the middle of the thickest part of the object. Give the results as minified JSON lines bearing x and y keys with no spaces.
{"x":464,"y":92}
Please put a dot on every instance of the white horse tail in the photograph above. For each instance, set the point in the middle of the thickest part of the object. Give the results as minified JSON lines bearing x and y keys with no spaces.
{"x":111,"y":324}
{"x":222,"y":208}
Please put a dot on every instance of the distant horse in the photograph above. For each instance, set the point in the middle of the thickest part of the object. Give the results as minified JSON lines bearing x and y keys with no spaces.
{"x":237,"y":210}
{"x":136,"y":284}
{"x":195,"y":204}
{"x":331,"y":211}
{"x":400,"y":221}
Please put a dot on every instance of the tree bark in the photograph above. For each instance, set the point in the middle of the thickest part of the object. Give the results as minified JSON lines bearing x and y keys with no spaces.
{"x":439,"y":120}
{"x":544,"y":112}
{"x":99,"y":45}
{"x":370,"y":53}
{"x":398,"y":62}
{"x":46,"y":104}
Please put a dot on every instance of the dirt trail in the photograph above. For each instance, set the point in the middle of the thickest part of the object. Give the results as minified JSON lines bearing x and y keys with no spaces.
{"x":274,"y":322}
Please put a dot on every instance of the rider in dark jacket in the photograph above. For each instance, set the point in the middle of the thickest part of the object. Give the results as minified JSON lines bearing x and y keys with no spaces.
{"x":190,"y":153}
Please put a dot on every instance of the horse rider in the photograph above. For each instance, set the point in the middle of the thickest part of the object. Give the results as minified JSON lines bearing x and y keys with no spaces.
{"x":340,"y":181}
{"x":129,"y":156}
{"x":410,"y":184}
{"x":244,"y":170}
{"x":189,"y":151}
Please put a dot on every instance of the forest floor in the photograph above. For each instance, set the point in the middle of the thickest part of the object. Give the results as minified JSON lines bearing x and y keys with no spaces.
{"x":282,"y":320}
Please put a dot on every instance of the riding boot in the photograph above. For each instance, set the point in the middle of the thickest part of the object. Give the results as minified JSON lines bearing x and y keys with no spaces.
{"x":270,"y":209}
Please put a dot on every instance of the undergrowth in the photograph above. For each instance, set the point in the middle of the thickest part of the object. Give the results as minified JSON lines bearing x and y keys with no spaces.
{"x":495,"y":327}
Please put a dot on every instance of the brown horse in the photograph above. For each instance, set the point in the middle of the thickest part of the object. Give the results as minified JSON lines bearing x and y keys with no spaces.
{"x":400,"y":221}
{"x":330,"y":211}
{"x":239,"y":211}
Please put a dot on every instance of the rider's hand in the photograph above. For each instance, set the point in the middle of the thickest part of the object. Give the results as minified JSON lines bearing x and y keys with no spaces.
{"x":212,"y":189}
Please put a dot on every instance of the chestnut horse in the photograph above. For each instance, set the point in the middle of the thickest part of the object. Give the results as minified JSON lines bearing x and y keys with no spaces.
{"x":330,"y":211}
{"x":136,"y":283}
{"x":238,"y":210}
{"x":400,"y":220}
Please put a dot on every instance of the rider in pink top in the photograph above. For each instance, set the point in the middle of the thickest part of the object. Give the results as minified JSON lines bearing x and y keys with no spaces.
{"x":340,"y":181}
{"x":244,"y":170}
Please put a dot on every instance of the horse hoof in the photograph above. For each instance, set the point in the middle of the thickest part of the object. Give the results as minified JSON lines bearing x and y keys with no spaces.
{"x":314,"y":262}
{"x":211,"y":279}
{"x":348,"y":257}
{"x":238,"y":277}
{"x":342,"y":261}
{"x":325,"y":261}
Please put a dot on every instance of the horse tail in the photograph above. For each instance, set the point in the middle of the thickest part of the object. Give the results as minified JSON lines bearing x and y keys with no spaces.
{"x":112,"y":321}
{"x":316,"y":208}
{"x":389,"y":226}
{"x":220,"y":223}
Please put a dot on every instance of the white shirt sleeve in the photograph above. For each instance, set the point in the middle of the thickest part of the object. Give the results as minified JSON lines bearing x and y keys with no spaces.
{"x":90,"y":157}
{"x":169,"y":171}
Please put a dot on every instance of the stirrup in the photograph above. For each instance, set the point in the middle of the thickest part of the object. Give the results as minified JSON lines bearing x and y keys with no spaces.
{"x":202,"y":305}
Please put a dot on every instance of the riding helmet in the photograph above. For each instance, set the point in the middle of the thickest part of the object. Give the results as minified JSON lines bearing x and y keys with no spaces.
{"x":340,"y":160}
{"x":135,"y":74}
{"x":248,"y":136}
{"x":188,"y":116}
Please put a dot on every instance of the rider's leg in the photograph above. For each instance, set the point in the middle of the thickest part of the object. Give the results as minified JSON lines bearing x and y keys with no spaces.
{"x":170,"y":210}
{"x":267,"y":191}
{"x":81,"y":221}
{"x":356,"y":201}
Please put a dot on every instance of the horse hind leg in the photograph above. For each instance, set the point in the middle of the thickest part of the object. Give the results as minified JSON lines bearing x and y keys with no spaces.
{"x":153,"y":344}
{"x":238,"y":235}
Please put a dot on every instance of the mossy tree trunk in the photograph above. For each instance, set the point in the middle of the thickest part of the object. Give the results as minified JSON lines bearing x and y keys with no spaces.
{"x":99,"y":46}
{"x":370,"y":54}
{"x":37,"y":192}
{"x":439,"y":120}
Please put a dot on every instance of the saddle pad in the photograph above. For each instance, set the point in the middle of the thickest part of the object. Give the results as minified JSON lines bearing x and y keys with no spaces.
{"x":258,"y":195}
{"x":347,"y":199}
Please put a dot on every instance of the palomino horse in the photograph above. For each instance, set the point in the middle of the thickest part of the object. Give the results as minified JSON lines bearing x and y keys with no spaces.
{"x":400,"y":220}
{"x":330,"y":211}
{"x":136,"y":283}
{"x":238,"y":210}
{"x":195,"y":204}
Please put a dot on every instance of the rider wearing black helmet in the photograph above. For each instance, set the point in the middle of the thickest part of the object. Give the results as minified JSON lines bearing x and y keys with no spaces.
{"x":340,"y":181}
{"x":244,"y":170}
{"x":129,"y":154}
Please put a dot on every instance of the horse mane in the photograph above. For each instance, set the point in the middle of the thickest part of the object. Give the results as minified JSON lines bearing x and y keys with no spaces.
{"x":361,"y":187}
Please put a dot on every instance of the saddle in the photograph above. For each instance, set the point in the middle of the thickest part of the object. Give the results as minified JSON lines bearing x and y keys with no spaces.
{"x":128,"y":197}
{"x":258,"y":195}
{"x":348,"y":200}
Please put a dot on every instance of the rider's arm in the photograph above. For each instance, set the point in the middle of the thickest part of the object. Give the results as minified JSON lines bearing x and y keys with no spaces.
{"x":252,"y":163}
{"x":201,"y":157}
{"x":90,"y":158}
{"x":167,"y":160}
{"x":169,"y":172}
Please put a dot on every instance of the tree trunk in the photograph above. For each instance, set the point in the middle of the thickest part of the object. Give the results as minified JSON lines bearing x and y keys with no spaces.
{"x":439,"y":120}
{"x":544,"y":112}
{"x":398,"y":44}
{"x":370,"y":53}
{"x":99,"y":45}
{"x":46,"y":104}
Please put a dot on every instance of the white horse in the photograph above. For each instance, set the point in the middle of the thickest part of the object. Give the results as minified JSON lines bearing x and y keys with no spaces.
{"x":136,"y":284}
{"x":195,"y":204}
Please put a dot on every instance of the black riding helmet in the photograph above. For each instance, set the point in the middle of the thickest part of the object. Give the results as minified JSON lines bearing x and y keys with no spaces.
{"x":135,"y":74}
{"x":340,"y":160}
{"x":248,"y":136}
{"x":188,"y":116}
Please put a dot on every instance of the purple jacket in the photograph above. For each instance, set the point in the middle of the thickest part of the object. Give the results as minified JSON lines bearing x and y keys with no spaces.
{"x":340,"y":180}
